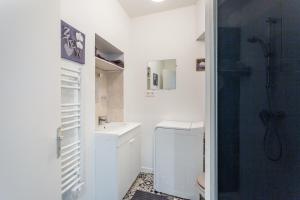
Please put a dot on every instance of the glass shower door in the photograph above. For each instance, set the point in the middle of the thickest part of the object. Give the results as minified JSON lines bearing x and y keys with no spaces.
{"x":258,"y":73}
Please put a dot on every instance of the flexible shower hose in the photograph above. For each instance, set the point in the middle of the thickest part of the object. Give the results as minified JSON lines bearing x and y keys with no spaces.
{"x":271,"y":135}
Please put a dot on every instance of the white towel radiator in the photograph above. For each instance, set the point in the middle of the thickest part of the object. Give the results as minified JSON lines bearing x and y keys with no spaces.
{"x":69,"y":145}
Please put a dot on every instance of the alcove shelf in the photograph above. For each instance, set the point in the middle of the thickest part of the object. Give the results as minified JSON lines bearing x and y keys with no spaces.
{"x":201,"y":37}
{"x":106,"y":66}
{"x":107,"y":55}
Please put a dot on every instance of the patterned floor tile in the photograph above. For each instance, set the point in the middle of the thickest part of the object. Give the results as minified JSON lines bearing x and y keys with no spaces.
{"x":144,"y":182}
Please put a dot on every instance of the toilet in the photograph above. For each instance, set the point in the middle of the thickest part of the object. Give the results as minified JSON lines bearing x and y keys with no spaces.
{"x":201,"y":187}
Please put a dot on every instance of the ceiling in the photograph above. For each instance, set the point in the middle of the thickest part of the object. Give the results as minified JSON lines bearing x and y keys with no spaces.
{"x":136,"y":8}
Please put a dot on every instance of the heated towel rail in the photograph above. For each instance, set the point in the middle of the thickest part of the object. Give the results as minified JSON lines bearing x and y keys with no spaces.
{"x":69,"y":145}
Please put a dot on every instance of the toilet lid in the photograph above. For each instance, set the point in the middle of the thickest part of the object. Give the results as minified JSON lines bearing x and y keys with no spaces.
{"x":201,"y":181}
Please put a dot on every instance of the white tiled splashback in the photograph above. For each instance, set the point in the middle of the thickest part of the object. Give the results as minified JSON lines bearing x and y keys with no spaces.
{"x":109,"y":95}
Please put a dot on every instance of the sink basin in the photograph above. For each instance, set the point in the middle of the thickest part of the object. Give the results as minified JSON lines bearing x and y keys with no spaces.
{"x":113,"y":126}
{"x":116,"y":128}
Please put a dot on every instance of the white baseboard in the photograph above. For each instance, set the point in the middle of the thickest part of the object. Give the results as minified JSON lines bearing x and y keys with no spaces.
{"x":147,"y":170}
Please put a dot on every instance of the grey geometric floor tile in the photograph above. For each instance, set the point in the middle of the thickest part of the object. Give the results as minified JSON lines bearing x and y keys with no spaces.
{"x":144,"y":182}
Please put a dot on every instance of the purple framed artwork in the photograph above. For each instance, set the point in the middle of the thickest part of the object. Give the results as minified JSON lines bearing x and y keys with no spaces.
{"x":72,"y":43}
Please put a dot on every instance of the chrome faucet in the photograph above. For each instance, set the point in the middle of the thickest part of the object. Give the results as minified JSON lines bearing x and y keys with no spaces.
{"x":102,"y":119}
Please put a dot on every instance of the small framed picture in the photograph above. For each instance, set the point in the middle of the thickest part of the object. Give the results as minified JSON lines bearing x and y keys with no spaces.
{"x":155,"y":79}
{"x":200,"y":65}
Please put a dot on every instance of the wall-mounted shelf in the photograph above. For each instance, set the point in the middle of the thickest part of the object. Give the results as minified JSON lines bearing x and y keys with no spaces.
{"x":107,"y":66}
{"x":201,"y":37}
{"x":106,"y":47}
{"x":107,"y":56}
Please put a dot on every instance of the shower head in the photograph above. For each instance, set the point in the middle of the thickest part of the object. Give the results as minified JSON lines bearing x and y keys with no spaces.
{"x":262,"y":43}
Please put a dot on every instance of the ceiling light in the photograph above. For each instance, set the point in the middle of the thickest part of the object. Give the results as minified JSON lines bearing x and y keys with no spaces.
{"x":158,"y":1}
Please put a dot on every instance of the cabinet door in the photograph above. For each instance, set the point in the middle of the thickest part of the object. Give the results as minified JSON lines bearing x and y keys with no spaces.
{"x":135,"y":148}
{"x":30,"y":100}
{"x":129,"y":162}
{"x":124,"y":168}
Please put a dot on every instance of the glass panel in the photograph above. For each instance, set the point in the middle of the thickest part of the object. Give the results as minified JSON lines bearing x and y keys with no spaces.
{"x":258,"y":99}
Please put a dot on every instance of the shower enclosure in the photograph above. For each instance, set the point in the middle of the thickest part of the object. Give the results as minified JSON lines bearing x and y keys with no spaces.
{"x":258,"y":95}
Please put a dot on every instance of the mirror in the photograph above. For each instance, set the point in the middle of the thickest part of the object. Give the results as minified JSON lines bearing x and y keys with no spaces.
{"x":161,"y":75}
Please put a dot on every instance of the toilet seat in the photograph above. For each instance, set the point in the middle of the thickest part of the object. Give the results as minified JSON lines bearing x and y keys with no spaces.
{"x":201,"y":184}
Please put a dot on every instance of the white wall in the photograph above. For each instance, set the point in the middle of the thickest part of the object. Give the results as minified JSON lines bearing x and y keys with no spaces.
{"x":108,"y":19}
{"x":166,"y":35}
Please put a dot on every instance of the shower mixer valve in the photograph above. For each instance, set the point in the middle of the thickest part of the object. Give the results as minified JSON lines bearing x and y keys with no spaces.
{"x":266,"y":116}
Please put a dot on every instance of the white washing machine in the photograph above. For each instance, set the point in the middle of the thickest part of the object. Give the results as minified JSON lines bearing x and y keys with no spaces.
{"x":178,"y":158}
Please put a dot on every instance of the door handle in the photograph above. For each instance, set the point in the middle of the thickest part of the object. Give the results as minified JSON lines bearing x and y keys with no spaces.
{"x":59,"y":139}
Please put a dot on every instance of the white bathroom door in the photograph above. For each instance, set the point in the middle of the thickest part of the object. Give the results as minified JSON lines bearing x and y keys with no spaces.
{"x":29,"y":100}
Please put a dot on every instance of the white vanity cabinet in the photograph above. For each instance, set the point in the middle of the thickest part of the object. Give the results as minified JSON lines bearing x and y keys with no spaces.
{"x":117,"y":160}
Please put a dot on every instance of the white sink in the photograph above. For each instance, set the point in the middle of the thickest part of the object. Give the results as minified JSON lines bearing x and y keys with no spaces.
{"x":116,"y":128}
{"x":111,"y":127}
